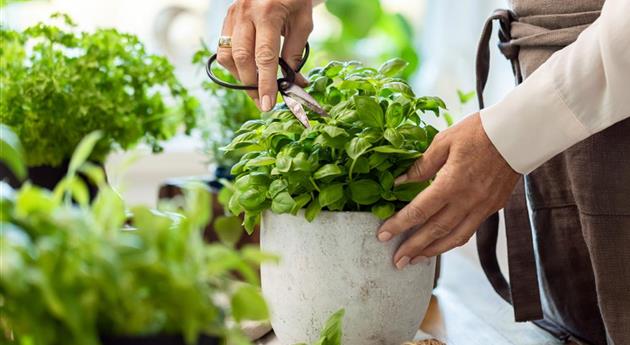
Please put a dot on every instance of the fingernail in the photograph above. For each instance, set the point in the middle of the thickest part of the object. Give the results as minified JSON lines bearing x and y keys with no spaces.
{"x":402,"y":263}
{"x":384,"y":236}
{"x":266,"y":103}
{"x":401,"y":179}
{"x":419,"y":260}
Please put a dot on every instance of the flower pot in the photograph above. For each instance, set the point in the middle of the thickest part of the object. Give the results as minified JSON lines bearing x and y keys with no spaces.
{"x":337,"y":262}
{"x":157,"y":340}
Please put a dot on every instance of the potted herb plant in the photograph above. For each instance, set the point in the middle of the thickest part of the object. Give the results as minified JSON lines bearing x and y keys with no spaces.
{"x":98,"y":273}
{"x":322,"y":193}
{"x":59,"y":84}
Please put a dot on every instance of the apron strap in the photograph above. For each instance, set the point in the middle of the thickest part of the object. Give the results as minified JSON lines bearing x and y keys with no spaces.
{"x":523,"y":290}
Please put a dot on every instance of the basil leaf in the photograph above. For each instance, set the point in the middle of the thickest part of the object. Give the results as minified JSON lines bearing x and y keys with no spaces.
{"x":328,"y":170}
{"x":357,"y":147}
{"x":394,"y":137}
{"x":368,"y":111}
{"x":313,"y":210}
{"x":393,"y":67}
{"x":384,"y":210}
{"x":282,"y":203}
{"x":365,"y":192}
{"x":331,"y":194}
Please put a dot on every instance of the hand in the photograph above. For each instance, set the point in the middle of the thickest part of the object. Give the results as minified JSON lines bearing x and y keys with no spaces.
{"x":473,"y":182}
{"x":255,"y":27}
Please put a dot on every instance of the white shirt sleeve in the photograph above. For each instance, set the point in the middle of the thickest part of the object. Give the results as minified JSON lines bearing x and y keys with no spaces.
{"x":581,"y":90}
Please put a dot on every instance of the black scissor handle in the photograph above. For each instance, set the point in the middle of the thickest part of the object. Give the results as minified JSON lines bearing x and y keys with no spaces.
{"x":289,"y":73}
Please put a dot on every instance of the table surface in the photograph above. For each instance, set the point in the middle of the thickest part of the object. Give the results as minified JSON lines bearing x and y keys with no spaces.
{"x":464,"y":310}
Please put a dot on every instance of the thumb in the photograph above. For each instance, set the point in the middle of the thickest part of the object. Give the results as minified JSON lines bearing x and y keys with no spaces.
{"x":428,"y":165}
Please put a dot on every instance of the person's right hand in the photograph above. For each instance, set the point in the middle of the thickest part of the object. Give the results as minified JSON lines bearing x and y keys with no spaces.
{"x":255,"y":27}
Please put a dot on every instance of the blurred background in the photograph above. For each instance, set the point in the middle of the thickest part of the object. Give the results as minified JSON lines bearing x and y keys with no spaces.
{"x":437,"y":37}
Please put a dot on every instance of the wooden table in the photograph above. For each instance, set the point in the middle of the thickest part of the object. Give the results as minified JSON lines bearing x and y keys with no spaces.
{"x":464,"y":310}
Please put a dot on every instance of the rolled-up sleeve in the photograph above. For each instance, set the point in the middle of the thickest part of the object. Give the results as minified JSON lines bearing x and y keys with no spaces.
{"x":581,"y":90}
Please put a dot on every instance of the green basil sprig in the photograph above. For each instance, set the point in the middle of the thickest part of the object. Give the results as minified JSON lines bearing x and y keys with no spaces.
{"x":345,"y":162}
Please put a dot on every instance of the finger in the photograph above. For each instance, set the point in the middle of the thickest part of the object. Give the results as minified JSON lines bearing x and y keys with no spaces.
{"x":429,"y":164}
{"x":267,"y":54}
{"x":224,"y":55}
{"x":458,"y":237}
{"x":243,"y":52}
{"x":439,"y":226}
{"x":417,"y":212}
{"x":295,"y":39}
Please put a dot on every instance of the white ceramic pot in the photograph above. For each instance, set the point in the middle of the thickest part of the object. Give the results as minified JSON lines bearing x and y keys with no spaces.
{"x":337,"y":262}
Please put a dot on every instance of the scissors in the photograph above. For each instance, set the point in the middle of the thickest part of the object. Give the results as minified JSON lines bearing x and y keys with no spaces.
{"x":294,"y":96}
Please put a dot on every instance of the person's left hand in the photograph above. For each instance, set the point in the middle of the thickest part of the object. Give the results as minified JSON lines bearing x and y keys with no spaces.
{"x":473,"y":182}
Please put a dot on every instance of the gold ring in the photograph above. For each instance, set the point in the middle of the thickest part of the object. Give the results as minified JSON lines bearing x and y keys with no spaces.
{"x":225,"y":42}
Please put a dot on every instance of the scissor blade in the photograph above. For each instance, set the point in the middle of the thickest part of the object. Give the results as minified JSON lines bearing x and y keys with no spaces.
{"x":297,"y":110}
{"x":298,"y":94}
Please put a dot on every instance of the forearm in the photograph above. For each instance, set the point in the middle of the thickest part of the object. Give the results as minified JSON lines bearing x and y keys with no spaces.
{"x":580,"y":91}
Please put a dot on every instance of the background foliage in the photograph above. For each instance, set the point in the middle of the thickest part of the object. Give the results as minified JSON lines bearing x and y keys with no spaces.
{"x":58,"y":85}
{"x":72,"y":273}
{"x":369,"y":33}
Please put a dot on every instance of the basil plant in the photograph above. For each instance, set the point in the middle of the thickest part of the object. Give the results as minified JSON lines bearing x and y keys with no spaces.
{"x":347,"y":161}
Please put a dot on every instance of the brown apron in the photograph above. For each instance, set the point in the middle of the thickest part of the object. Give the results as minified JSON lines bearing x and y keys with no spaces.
{"x":568,"y":222}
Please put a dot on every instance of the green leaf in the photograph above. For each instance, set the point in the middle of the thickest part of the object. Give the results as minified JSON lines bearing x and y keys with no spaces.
{"x":392,"y":149}
{"x":328,"y":170}
{"x":357,"y":147}
{"x":228,"y":229}
{"x":261,"y":161}
{"x":11,"y":152}
{"x":331,"y":194}
{"x":393,"y":67}
{"x":394,"y":137}
{"x":394,"y":115}
{"x":333,"y":330}
{"x":387,"y":180}
{"x":301,"y":201}
{"x":277,"y":186}
{"x":397,"y":86}
{"x":313,"y":210}
{"x":383,"y":210}
{"x":83,"y":151}
{"x":253,"y":198}
{"x":282,"y":203}
{"x":369,"y":112}
{"x":248,"y":304}
{"x":465,"y":97}
{"x":365,"y":192}
{"x":334,"y":132}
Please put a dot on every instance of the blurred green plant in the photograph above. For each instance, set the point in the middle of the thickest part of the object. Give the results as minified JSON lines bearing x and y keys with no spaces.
{"x":332,"y":332}
{"x":228,"y":111}
{"x":72,"y":273}
{"x":369,"y":33}
{"x":59,"y":84}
